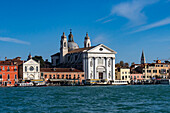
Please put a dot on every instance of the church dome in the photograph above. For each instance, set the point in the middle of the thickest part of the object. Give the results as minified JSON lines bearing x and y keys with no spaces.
{"x":72,"y":46}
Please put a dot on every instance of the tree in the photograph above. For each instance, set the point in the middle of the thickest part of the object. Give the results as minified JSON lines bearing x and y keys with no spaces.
{"x":126,"y":65}
{"x":121,"y":64}
{"x":39,"y":58}
{"x":117,"y":65}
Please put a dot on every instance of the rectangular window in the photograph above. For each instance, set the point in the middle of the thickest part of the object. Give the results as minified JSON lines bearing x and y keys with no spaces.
{"x":137,"y":76}
{"x":0,"y":76}
{"x":149,"y":71}
{"x":154,"y":71}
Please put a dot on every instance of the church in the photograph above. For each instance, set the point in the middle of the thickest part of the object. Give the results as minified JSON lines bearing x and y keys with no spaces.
{"x":31,"y":69}
{"x":97,"y":62}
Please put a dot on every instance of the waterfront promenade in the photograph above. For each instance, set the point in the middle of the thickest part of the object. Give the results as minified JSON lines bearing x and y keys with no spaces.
{"x":126,"y":99}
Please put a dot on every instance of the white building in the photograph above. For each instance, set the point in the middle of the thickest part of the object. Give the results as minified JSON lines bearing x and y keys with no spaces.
{"x":98,"y":62}
{"x":123,"y":74}
{"x":31,"y":69}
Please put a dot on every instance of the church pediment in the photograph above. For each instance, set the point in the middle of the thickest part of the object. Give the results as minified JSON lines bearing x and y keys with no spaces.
{"x":101,"y":49}
{"x":31,"y":61}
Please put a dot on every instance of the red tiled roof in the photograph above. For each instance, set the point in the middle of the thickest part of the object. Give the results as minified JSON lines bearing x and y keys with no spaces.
{"x":59,"y":70}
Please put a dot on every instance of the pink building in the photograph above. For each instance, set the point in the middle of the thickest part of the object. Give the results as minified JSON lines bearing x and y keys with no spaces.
{"x":137,"y":76}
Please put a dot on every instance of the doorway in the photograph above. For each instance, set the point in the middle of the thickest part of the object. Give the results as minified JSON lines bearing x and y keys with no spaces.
{"x":5,"y":83}
{"x":100,"y":75}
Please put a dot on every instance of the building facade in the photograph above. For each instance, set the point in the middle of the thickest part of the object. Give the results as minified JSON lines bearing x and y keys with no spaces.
{"x":97,"y":62}
{"x":8,"y":74}
{"x":156,"y":70}
{"x":31,"y":69}
{"x":136,"y":77}
{"x":59,"y":75}
{"x":123,"y":74}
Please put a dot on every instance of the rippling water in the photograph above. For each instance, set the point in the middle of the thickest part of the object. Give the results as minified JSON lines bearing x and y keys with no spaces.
{"x":153,"y":98}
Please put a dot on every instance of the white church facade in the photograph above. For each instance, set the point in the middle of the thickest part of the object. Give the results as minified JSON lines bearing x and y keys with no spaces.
{"x":97,"y":62}
{"x":31,"y":70}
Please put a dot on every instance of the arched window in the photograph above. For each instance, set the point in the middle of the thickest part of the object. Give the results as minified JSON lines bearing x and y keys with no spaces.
{"x":8,"y":76}
{"x":53,"y":76}
{"x":15,"y":68}
{"x":3,"y":68}
{"x":64,"y":44}
{"x":69,"y":76}
{"x":15,"y":76}
{"x":50,"y":77}
{"x":37,"y":68}
{"x":25,"y":68}
{"x":58,"y":76}
{"x":62,"y":76}
{"x":8,"y":69}
{"x":45,"y":76}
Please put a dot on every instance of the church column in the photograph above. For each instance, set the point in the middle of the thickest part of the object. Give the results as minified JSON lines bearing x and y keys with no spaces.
{"x":88,"y":68}
{"x":96,"y":77}
{"x":106,"y":67}
{"x":84,"y":66}
{"x":113,"y":68}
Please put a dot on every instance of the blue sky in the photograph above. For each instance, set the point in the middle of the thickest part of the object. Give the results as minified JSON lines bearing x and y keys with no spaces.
{"x":126,"y":26}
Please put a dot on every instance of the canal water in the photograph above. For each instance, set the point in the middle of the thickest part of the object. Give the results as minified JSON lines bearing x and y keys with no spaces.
{"x":124,"y":99}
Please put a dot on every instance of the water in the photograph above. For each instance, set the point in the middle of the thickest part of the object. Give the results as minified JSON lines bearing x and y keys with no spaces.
{"x":126,"y":99}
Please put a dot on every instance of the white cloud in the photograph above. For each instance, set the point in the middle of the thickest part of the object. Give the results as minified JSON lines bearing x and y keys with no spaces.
{"x":7,"y":39}
{"x":163,"y":22}
{"x":108,"y":21}
{"x":133,"y":11}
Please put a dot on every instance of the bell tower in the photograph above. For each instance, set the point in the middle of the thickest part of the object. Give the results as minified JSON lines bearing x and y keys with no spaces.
{"x":143,"y":61}
{"x":87,"y":42}
{"x":63,"y":48}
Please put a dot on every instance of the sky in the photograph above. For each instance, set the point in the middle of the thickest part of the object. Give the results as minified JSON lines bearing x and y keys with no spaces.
{"x":126,"y":26}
